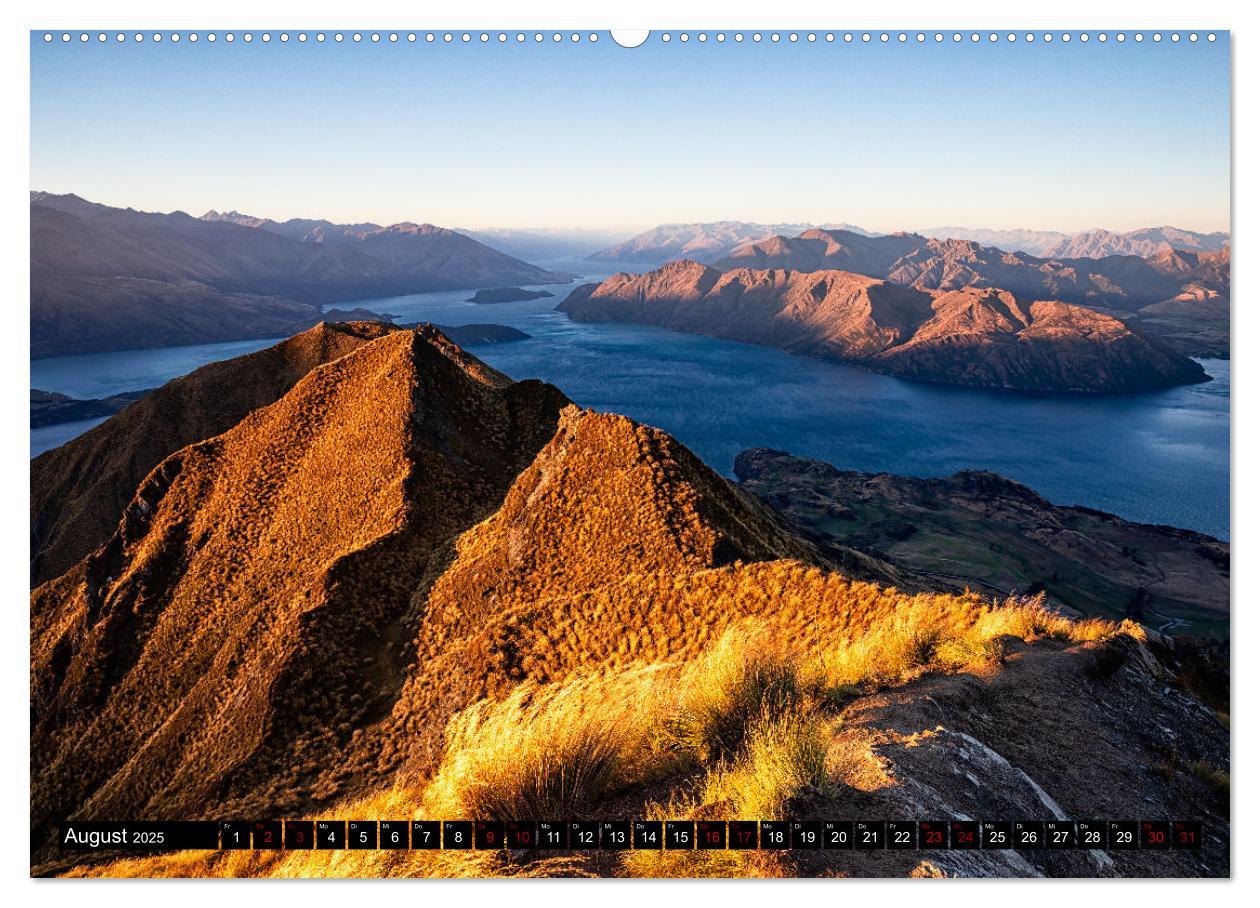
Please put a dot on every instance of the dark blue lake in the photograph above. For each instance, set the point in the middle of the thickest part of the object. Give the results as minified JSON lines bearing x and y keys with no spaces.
{"x":1158,"y":458}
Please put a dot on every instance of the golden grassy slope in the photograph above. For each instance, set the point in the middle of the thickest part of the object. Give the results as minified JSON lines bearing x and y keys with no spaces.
{"x":79,"y":490}
{"x":742,"y":731}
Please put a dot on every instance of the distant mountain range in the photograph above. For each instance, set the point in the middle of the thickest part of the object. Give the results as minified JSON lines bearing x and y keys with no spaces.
{"x":529,"y":244}
{"x":965,"y":335}
{"x":1145,"y":242}
{"x":107,"y":278}
{"x":700,"y":242}
{"x":541,"y":244}
{"x":710,"y":242}
{"x":1180,"y":297}
{"x":912,"y":260}
{"x":1036,"y":242}
{"x":444,"y":257}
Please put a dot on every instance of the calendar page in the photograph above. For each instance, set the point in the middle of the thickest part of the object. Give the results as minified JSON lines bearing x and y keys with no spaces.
{"x":568,"y":452}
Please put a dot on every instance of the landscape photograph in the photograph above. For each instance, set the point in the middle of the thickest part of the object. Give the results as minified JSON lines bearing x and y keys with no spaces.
{"x":694,"y":454}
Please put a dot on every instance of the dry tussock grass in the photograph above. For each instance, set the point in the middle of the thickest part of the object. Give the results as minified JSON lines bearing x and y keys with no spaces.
{"x":737,"y":732}
{"x":752,"y":715}
{"x":745,"y":677}
{"x":966,"y":633}
{"x":760,"y":732}
{"x":758,"y":725}
{"x":785,"y":755}
{"x":550,"y":751}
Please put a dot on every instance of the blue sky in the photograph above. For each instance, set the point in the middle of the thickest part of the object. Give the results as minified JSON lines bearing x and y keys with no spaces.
{"x":887,"y":136}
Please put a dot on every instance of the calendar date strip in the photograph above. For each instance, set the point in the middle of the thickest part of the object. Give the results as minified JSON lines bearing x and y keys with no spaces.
{"x":609,"y":835}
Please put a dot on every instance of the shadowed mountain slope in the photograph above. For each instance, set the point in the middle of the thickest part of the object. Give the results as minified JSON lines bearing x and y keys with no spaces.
{"x":971,"y":336}
{"x":979,"y":530}
{"x":107,"y":278}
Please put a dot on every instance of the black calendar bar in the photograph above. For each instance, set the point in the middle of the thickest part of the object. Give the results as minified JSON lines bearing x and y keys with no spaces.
{"x":678,"y":835}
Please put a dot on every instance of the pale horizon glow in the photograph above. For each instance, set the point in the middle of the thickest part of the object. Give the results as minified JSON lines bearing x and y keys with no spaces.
{"x":597,"y":137}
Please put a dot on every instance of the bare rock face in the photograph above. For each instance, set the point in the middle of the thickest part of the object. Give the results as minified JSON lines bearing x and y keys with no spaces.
{"x":979,"y":337}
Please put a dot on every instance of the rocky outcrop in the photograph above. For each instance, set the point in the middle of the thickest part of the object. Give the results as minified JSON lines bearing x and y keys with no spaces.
{"x":976,"y":746}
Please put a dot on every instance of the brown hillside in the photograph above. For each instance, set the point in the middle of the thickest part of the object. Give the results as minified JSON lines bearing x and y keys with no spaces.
{"x":986,"y":338}
{"x":979,"y":530}
{"x":831,"y":313}
{"x":971,"y":336}
{"x":78,"y":491}
{"x":248,"y":607}
{"x":106,"y":278}
{"x":1120,"y":282}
